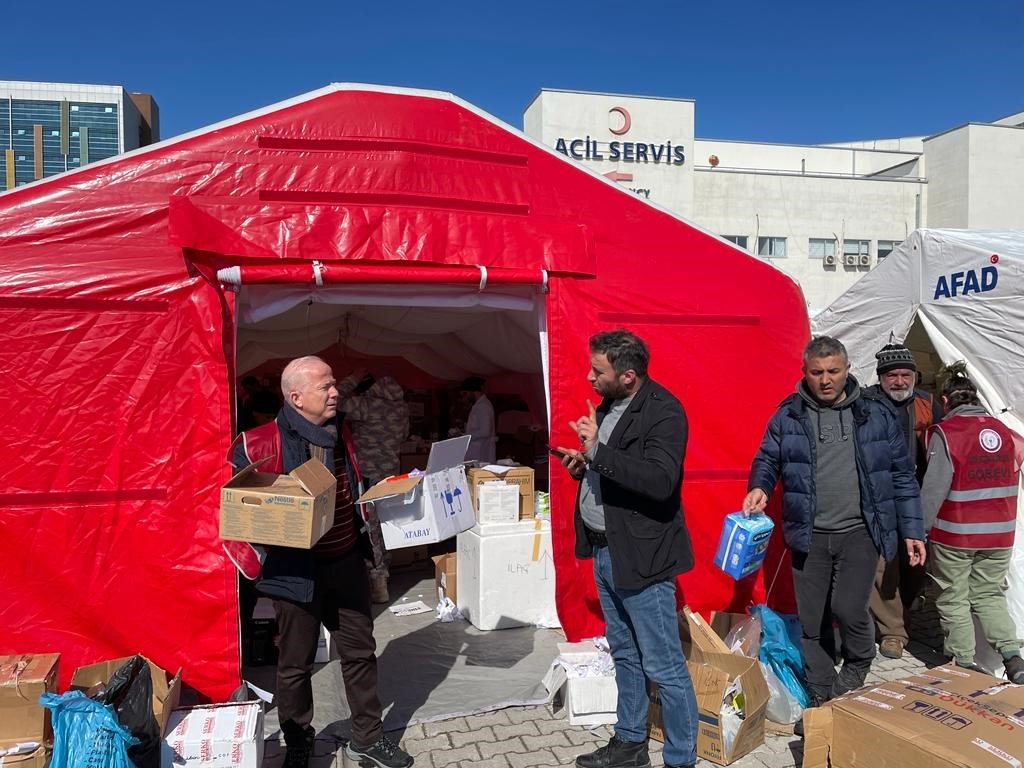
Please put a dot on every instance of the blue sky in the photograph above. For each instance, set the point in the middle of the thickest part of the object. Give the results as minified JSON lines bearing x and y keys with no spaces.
{"x":800,"y":72}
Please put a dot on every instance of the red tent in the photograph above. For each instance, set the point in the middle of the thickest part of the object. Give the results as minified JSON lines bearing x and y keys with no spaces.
{"x":119,"y":342}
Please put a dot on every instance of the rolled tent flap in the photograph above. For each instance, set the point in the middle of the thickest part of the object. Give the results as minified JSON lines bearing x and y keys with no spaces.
{"x":319,"y":273}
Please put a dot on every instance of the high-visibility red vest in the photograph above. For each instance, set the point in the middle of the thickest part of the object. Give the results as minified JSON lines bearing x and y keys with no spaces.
{"x":980,"y":510}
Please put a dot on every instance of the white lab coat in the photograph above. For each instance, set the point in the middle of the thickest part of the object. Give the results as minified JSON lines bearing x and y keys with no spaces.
{"x":480,"y":428}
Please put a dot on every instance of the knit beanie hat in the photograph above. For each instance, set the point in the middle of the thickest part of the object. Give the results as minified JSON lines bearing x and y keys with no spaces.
{"x":892,"y":356}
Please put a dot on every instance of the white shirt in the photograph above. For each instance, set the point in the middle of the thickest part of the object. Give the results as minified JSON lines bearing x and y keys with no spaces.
{"x":480,"y":428}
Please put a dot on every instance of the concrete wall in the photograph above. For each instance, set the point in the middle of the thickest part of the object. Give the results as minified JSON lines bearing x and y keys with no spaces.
{"x":995,"y":177}
{"x":948,"y":158}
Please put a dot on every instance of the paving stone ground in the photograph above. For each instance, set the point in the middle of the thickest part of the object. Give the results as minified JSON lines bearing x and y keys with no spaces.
{"x":521,"y":737}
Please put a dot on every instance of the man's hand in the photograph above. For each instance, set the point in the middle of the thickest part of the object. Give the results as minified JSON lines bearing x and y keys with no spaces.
{"x":585,"y":427}
{"x":573,"y":461}
{"x":916,"y":551}
{"x":755,"y":501}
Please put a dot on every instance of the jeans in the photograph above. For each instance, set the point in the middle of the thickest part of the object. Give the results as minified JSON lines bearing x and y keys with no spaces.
{"x":643,"y":633}
{"x":834,"y":579}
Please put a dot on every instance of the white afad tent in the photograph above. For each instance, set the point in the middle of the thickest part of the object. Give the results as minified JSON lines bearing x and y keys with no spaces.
{"x":949,"y":295}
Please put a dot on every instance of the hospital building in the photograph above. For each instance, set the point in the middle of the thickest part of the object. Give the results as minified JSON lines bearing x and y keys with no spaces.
{"x":824,"y":214}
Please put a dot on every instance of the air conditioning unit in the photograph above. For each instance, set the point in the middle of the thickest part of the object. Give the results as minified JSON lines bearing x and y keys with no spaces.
{"x":829,"y":260}
{"x":865,"y":260}
{"x":850,"y":259}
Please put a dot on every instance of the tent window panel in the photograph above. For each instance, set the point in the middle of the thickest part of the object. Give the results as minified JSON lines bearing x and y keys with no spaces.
{"x":771,"y":247}
{"x":885,"y":247}
{"x":740,"y":240}
{"x":820,"y":247}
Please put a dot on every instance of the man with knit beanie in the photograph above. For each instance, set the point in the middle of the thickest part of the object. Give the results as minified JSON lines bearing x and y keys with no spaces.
{"x":897,"y":583}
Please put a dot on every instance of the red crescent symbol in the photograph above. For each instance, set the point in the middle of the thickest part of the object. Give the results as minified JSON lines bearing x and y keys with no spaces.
{"x":994,"y":259}
{"x":626,"y":120}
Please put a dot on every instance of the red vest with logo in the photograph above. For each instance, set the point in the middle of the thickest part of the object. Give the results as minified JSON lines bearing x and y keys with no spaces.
{"x":980,"y":511}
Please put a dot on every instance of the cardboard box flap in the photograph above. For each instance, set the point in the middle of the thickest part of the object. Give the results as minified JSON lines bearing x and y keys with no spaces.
{"x":238,"y":478}
{"x":166,"y":693}
{"x":314,"y":477}
{"x":702,"y":636}
{"x":17,"y":670}
{"x":386,"y":489}
{"x":447,"y":453}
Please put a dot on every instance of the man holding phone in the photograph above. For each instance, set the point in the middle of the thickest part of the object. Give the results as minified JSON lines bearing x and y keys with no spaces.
{"x":629,"y":519}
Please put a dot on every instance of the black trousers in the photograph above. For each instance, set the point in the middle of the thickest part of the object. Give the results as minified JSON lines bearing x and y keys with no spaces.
{"x":834,"y":579}
{"x":341,"y":601}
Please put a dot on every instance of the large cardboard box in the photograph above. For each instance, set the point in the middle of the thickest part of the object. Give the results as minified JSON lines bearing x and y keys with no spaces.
{"x":35,"y":759}
{"x":426,"y":508}
{"x":217,"y":736}
{"x":445,"y":576}
{"x":522,"y":477}
{"x":507,"y":575}
{"x":166,"y":690}
{"x":23,"y":679}
{"x":292,"y":510}
{"x":710,"y":682}
{"x":943,"y":718}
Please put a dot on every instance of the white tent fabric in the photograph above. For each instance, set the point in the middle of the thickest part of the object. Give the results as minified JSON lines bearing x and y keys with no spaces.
{"x":966,"y":288}
{"x":448,"y":331}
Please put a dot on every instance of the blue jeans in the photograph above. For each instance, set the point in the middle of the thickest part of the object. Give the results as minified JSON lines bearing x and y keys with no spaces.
{"x":643,"y":634}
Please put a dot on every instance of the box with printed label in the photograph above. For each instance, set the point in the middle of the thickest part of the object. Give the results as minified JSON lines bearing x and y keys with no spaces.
{"x":293,"y":510}
{"x":217,"y":736}
{"x":743,"y":543}
{"x":496,"y":502}
{"x":944,"y":718}
{"x":23,"y":679}
{"x":521,"y":477}
{"x":425,"y":508}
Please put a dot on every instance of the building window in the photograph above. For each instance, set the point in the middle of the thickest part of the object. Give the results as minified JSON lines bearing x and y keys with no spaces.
{"x":885,"y":247}
{"x":771,"y":247}
{"x":820,"y":247}
{"x":856,"y":247}
{"x":740,"y":240}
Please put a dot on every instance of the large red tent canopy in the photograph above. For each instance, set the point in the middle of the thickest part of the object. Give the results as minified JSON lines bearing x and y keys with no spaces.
{"x":118,"y":340}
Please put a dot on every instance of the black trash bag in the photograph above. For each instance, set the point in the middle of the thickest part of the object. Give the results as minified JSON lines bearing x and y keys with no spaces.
{"x":130,"y":692}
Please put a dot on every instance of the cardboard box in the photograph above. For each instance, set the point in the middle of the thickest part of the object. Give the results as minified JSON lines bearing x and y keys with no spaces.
{"x":507,"y":575}
{"x":217,"y":736}
{"x":23,"y":679}
{"x":407,"y":556}
{"x":425,"y":508}
{"x":704,"y":641}
{"x":35,"y":759}
{"x":518,"y":476}
{"x":944,"y":718}
{"x":710,"y":681}
{"x":743,"y":543}
{"x":292,"y":510}
{"x":445,"y":579}
{"x":166,"y":691}
{"x":496,"y":502}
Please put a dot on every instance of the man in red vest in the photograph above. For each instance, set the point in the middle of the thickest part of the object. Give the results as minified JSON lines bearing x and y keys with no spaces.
{"x":327,"y":583}
{"x":897,"y":582}
{"x":969,"y":499}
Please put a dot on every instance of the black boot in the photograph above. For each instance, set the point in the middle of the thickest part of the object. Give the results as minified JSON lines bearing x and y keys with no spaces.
{"x":298,"y":745}
{"x":848,"y":679}
{"x":815,"y":701}
{"x":617,"y":754}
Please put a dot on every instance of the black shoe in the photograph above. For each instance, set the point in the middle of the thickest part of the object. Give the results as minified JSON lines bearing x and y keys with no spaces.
{"x":383,"y":754}
{"x":847,"y":680}
{"x":1014,"y":667}
{"x":617,"y":754}
{"x":798,"y":726}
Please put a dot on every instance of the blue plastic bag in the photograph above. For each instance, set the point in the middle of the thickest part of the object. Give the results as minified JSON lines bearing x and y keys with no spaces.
{"x":785,"y":658}
{"x":86,"y":734}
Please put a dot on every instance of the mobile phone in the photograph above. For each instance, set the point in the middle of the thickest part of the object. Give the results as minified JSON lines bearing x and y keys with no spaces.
{"x":557,"y":452}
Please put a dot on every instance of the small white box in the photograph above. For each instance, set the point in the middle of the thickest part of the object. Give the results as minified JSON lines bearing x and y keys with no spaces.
{"x":507,"y":575}
{"x":217,"y":736}
{"x":591,"y":700}
{"x":497,"y":502}
{"x":426,"y":508}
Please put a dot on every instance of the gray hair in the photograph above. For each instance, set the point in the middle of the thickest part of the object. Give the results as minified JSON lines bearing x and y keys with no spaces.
{"x":294,"y":374}
{"x":825,"y":346}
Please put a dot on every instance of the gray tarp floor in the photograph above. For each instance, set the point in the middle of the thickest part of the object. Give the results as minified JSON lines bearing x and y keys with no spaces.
{"x":429,"y":670}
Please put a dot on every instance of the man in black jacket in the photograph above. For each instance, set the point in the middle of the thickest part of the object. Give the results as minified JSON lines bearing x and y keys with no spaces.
{"x":328,"y":583}
{"x":629,"y":520}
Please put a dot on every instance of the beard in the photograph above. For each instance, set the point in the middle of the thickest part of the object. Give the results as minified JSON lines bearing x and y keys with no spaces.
{"x":900,"y":395}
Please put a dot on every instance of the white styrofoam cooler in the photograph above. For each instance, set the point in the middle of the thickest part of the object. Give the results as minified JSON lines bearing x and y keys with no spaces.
{"x":507,"y":575}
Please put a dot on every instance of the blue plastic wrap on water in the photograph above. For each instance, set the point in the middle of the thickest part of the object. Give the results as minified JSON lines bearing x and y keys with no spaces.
{"x":86,"y":733}
{"x":780,"y":653}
